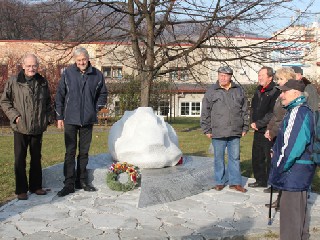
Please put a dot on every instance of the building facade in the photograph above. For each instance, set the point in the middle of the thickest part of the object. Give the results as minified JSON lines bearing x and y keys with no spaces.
{"x":187,"y":87}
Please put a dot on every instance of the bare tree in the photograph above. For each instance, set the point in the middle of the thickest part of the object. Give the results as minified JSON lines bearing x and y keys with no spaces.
{"x":163,"y":32}
{"x":44,"y":20}
{"x":12,"y":21}
{"x":171,"y":35}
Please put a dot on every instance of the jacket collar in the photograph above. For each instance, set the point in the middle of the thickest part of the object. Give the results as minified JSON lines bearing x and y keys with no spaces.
{"x":217,"y":85}
{"x":296,"y":102}
{"x":22,"y":79}
{"x":269,"y":87}
{"x":88,"y":70}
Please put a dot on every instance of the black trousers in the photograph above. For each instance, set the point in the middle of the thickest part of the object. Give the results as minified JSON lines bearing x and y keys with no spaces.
{"x":21,"y":144}
{"x":261,"y":158}
{"x":71,"y":133}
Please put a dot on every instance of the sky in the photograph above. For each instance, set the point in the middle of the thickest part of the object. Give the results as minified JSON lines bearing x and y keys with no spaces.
{"x":283,"y":16}
{"x":312,"y":13}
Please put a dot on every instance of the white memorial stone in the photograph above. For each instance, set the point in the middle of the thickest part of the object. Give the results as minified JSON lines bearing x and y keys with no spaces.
{"x":144,"y":139}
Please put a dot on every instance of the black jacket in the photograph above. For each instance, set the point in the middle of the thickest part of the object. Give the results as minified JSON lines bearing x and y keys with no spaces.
{"x":80,"y":96}
{"x":262,"y":106}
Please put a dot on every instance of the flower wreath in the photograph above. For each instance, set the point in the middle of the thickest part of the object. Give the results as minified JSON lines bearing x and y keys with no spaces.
{"x":118,"y":168}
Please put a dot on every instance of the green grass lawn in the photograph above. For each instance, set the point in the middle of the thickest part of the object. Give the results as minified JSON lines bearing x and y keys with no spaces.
{"x":191,"y":140}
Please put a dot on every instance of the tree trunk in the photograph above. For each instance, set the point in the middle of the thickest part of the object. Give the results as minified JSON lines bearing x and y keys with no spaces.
{"x":146,"y":80}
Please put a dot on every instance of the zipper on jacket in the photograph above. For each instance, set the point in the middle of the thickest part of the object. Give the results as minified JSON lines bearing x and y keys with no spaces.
{"x":81,"y":99}
{"x":66,"y":103}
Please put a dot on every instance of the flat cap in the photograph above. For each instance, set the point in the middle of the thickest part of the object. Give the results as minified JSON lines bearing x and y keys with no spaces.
{"x":225,"y":69}
{"x":293,"y":84}
{"x":297,"y":69}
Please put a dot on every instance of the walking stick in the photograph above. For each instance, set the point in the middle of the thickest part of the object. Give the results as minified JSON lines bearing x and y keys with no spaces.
{"x":271,"y":191}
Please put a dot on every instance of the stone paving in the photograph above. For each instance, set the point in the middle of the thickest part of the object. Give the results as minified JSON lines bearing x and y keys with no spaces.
{"x":107,"y":214}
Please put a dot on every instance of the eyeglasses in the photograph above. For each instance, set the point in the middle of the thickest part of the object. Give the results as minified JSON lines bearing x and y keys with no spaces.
{"x":31,"y":66}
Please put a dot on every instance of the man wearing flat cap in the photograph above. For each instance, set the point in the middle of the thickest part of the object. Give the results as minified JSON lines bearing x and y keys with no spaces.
{"x":224,"y":120}
{"x":310,"y":90}
{"x":291,"y":167}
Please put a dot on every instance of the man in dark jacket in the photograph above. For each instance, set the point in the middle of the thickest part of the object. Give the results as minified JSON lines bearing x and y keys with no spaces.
{"x":292,"y":169}
{"x":261,"y":112}
{"x":224,"y":120}
{"x":80,"y":95}
{"x":310,"y":91}
{"x":26,"y":102}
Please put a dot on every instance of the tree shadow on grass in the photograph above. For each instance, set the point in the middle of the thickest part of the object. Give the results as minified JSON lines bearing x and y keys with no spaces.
{"x":316,"y":181}
{"x":246,"y":168}
{"x":198,"y":153}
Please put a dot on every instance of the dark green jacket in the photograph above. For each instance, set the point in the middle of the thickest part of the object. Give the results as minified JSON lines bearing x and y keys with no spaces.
{"x":33,"y":106}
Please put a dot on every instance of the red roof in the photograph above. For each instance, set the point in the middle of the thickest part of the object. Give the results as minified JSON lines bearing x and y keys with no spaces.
{"x":190,"y":88}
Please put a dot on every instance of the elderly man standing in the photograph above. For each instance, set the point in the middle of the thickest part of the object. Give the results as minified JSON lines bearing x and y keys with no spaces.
{"x":292,"y":169}
{"x":261,"y":112}
{"x":26,"y":102}
{"x":224,"y":119}
{"x":80,"y":95}
{"x":310,"y":91}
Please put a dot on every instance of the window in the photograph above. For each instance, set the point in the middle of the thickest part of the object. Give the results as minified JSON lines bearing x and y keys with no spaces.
{"x":173,"y":75}
{"x":190,"y":108}
{"x":184,"y":109}
{"x":117,"y":72}
{"x":179,"y":75}
{"x":112,"y":72}
{"x":164,"y":108}
{"x":106,"y":72}
{"x":184,"y":75}
{"x":195,"y":108}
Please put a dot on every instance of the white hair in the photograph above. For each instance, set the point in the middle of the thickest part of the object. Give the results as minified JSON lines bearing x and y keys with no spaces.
{"x":28,"y":55}
{"x":79,"y":51}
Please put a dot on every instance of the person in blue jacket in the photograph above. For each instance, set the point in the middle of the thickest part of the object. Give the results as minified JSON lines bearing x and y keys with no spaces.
{"x":292,"y":169}
{"x":80,"y":95}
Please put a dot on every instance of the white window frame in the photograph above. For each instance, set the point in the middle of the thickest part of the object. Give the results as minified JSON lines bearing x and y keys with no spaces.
{"x":191,"y":112}
{"x":113,"y":72}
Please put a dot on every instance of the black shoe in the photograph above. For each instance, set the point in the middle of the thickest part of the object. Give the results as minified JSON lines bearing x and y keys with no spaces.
{"x":268,"y":190}
{"x":257,"y":184}
{"x":77,"y":185}
{"x":22,"y":196}
{"x":88,"y":188}
{"x":85,"y":187}
{"x":65,"y":191}
{"x":275,"y":205}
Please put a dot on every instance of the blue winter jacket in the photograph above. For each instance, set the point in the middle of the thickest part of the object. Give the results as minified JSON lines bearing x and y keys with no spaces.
{"x":291,"y":166}
{"x":80,"y":96}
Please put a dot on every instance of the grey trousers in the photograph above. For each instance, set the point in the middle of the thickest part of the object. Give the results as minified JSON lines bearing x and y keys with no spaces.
{"x":294,"y":219}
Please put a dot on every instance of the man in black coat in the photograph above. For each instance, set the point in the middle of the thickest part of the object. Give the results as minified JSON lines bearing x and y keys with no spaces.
{"x":261,"y":112}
